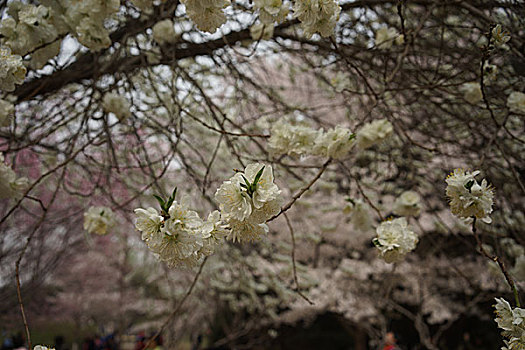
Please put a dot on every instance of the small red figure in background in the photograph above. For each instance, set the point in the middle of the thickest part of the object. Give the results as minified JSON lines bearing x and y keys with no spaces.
{"x":390,"y":342}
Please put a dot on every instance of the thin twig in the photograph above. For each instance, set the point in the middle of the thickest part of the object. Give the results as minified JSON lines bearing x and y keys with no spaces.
{"x":20,"y":302}
{"x":302,"y":190}
{"x":484,"y":57}
{"x":376,"y":209}
{"x":21,"y":256}
{"x":500,"y":263}
{"x":296,"y":280}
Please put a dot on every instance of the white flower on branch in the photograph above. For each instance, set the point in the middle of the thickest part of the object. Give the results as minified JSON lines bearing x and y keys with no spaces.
{"x":213,"y":232}
{"x":490,"y":72}
{"x":467,"y":197}
{"x":335,"y":143}
{"x":148,"y":222}
{"x":207,"y":15}
{"x":245,"y":231}
{"x":302,"y":140}
{"x":29,"y":27}
{"x":176,"y":236}
{"x":512,"y":321}
{"x":247,"y":200}
{"x":12,"y":70}
{"x":394,"y":240}
{"x":271,"y":10}
{"x":317,"y":16}
{"x":291,"y":139}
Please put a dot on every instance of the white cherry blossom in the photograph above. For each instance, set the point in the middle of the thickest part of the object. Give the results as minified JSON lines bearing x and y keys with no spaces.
{"x":467,"y":197}
{"x":395,"y":240}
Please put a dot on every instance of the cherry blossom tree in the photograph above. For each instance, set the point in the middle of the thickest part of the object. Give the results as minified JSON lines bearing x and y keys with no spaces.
{"x":239,"y":169}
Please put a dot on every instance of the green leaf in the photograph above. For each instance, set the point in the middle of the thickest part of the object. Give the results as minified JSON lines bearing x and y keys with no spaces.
{"x":170,"y":202}
{"x":258,"y":176}
{"x":160,"y":200}
{"x":352,"y":136}
{"x":246,"y":180}
{"x":171,"y":199}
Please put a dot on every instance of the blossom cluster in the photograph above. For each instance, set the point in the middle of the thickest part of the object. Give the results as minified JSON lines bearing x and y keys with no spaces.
{"x":271,"y":11}
{"x":180,"y":237}
{"x":30,"y":27}
{"x":12,"y":70}
{"x":317,"y":16}
{"x":334,"y":143}
{"x":37,"y":30}
{"x":302,"y":140}
{"x":208,"y":15}
{"x":41,"y":347}
{"x":291,"y":139}
{"x":247,"y":200}
{"x":10,"y":185}
{"x":98,"y":220}
{"x":468,"y":198}
{"x":512,"y":321}
{"x":395,"y":239}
